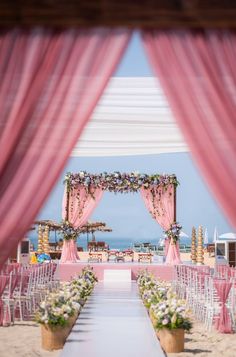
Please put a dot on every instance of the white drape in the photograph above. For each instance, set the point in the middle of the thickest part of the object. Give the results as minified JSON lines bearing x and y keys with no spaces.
{"x":132,"y":118}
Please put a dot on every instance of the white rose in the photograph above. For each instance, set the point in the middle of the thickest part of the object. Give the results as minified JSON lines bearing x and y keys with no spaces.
{"x":43,"y":304}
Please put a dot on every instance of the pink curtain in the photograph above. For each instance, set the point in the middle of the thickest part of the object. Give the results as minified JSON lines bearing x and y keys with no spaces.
{"x":223,"y":323}
{"x":197,"y":72}
{"x":50,"y":84}
{"x":159,"y":201}
{"x":69,"y":252}
{"x":81,"y":205}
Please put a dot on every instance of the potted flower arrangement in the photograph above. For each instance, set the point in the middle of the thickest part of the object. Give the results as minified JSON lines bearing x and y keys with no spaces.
{"x":169,"y":315}
{"x":59,"y":311}
{"x":56,"y":316}
{"x":171,"y":321}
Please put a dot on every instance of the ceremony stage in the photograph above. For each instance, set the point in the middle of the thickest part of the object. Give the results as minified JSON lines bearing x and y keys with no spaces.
{"x":161,"y":271}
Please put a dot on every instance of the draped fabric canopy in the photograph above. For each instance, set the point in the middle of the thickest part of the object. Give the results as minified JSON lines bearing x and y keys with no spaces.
{"x":83,"y":191}
{"x":132,"y":118}
{"x":197,"y":72}
{"x":50,"y":84}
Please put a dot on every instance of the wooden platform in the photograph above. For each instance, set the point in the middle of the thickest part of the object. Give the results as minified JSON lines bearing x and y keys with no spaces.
{"x":113,"y":323}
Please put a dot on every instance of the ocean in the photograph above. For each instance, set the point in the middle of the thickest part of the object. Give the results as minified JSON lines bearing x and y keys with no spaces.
{"x":114,"y":243}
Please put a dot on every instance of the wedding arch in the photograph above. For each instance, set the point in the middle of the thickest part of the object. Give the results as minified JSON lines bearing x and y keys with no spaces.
{"x":83,"y":191}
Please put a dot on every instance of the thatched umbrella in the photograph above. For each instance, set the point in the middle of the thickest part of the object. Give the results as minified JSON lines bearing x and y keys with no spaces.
{"x":91,"y":227}
{"x":52,"y":225}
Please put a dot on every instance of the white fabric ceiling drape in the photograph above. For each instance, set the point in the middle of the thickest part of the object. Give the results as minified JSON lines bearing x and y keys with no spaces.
{"x":132,"y":118}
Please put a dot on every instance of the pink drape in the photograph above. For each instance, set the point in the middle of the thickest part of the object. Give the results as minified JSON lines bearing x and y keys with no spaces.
{"x":173,"y":254}
{"x":223,"y":323}
{"x":81,"y":205}
{"x":50,"y":83}
{"x":159,"y":201}
{"x":197,"y":72}
{"x":69,"y":252}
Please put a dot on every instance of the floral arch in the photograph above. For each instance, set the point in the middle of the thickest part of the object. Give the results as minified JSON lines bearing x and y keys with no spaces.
{"x":83,"y":192}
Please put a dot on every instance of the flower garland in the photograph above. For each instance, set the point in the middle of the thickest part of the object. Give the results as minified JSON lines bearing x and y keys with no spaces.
{"x":119,"y":182}
{"x":173,"y":232}
{"x":68,"y":231}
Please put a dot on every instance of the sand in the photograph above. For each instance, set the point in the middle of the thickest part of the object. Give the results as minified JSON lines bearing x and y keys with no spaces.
{"x":23,"y":340}
{"x":202,"y":343}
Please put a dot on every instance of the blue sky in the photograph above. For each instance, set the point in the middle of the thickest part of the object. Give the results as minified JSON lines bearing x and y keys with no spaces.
{"x":126,"y":214}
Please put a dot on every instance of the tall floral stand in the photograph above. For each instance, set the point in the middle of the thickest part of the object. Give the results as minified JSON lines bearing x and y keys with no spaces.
{"x":193,"y":246}
{"x":172,"y":341}
{"x":200,"y":252}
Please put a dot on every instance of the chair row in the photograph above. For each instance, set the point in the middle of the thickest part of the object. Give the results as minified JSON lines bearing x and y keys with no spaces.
{"x":23,"y":288}
{"x":207,"y":294}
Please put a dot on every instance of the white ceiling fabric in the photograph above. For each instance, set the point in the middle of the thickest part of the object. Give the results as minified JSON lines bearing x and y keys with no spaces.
{"x":132,"y":118}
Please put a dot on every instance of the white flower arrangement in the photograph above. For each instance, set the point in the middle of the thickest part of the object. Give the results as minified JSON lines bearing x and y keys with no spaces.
{"x":60,"y":305}
{"x":172,"y":314}
{"x":167,"y":311}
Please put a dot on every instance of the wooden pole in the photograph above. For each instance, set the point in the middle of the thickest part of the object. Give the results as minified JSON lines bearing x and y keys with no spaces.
{"x":175,"y":194}
{"x":67,"y":200}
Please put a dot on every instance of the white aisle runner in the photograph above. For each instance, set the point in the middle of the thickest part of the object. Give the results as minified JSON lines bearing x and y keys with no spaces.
{"x":113,"y":323}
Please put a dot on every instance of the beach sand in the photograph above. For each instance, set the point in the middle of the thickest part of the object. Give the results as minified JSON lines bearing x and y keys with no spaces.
{"x":23,"y":340}
{"x":202,"y":343}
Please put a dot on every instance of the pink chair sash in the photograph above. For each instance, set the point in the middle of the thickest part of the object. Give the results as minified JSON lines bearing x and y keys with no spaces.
{"x":223,"y":323}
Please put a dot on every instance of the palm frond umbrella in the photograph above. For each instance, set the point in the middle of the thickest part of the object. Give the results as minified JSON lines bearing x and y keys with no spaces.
{"x":91,"y":227}
{"x":51,"y":224}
